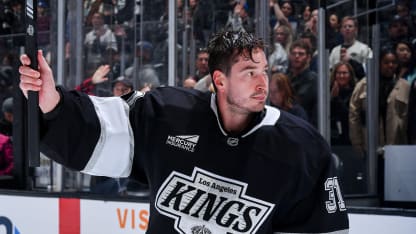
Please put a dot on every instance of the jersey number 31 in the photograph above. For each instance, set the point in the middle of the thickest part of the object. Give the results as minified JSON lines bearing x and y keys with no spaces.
{"x":334,"y":190}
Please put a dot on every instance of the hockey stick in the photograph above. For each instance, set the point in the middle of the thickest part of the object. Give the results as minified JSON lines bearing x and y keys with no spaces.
{"x":33,"y":97}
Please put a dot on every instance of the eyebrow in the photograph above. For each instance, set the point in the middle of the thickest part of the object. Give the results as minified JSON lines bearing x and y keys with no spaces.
{"x":252,"y":67}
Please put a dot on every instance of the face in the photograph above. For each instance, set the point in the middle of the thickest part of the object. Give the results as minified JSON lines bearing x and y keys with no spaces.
{"x":343,"y":76}
{"x":120,"y":89}
{"x":403,"y":53}
{"x":398,"y":29}
{"x":388,"y":65}
{"x":276,"y":96}
{"x":298,"y":58}
{"x":97,"y":20}
{"x":246,"y":87}
{"x":281,"y":36}
{"x":402,"y":10}
{"x":193,"y":3}
{"x":287,"y":9}
{"x":348,"y":29}
{"x":202,"y":63}
{"x":307,"y":13}
{"x":333,"y":21}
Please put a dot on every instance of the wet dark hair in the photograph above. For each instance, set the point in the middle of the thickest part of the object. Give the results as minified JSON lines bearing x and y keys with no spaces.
{"x":225,"y":47}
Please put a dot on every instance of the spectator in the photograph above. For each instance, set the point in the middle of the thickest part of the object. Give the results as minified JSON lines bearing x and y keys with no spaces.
{"x":98,"y":6}
{"x":310,"y":39}
{"x":122,"y":86}
{"x":398,"y":30}
{"x":285,"y":14}
{"x":406,"y":61}
{"x":312,"y":24}
{"x":6,"y":122}
{"x":333,"y":22}
{"x":333,"y":35}
{"x":284,"y":36}
{"x":393,"y":106}
{"x":99,"y":39}
{"x":304,"y":81}
{"x":201,"y":64}
{"x":355,"y":49}
{"x":6,"y":156}
{"x":282,"y":96}
{"x":305,"y":17}
{"x":278,"y":60}
{"x":342,"y":86}
{"x":143,"y":72}
{"x":402,"y":9}
{"x":239,"y":19}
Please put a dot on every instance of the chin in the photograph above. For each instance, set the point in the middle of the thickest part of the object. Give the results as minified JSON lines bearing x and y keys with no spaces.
{"x":258,"y":108}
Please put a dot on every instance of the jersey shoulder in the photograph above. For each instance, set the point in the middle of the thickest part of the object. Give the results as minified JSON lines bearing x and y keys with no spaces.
{"x":299,"y":140}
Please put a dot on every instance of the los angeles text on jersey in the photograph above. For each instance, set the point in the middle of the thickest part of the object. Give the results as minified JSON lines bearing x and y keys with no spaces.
{"x":210,"y":202}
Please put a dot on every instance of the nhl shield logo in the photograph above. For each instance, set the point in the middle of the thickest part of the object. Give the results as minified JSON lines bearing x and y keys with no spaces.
{"x":232,"y":141}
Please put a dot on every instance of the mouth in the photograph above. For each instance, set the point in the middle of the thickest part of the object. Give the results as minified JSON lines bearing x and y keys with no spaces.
{"x":259,"y":96}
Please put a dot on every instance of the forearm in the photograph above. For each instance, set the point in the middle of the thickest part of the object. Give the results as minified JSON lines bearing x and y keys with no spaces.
{"x":89,"y":134}
{"x":67,"y":128}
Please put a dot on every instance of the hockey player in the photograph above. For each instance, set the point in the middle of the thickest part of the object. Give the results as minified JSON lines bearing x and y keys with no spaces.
{"x":215,"y":163}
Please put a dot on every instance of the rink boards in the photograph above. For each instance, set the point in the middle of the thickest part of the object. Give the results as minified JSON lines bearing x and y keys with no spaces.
{"x":22,"y":214}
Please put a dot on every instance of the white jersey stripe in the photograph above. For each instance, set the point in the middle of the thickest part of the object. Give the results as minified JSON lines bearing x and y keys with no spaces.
{"x":113,"y":153}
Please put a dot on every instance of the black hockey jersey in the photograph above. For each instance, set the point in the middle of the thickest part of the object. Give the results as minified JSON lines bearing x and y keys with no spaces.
{"x":276,"y":177}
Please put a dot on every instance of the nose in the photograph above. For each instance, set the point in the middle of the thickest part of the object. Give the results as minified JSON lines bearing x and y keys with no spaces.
{"x":263,"y":81}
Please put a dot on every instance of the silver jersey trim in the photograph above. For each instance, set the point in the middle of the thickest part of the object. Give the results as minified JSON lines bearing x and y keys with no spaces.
{"x":113,"y":153}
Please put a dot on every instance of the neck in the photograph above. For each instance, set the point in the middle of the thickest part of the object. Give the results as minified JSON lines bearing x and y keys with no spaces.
{"x":233,"y":120}
{"x":235,"y":123}
{"x":349,"y":41}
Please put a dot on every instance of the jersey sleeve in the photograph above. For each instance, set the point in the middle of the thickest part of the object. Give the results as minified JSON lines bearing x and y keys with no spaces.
{"x":322,"y":208}
{"x":89,"y":134}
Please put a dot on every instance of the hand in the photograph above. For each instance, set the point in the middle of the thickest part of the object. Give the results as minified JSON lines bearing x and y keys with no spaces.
{"x":146,"y":87}
{"x":344,"y":55}
{"x":99,"y":75}
{"x":41,"y":81}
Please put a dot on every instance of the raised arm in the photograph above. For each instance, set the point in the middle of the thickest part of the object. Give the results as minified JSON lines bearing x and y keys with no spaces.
{"x":84,"y":133}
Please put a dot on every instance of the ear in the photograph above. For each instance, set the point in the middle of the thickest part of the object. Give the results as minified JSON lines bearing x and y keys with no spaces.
{"x":218,"y":79}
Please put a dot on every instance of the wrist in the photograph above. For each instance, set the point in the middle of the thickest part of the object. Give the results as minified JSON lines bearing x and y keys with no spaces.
{"x":55,"y":98}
